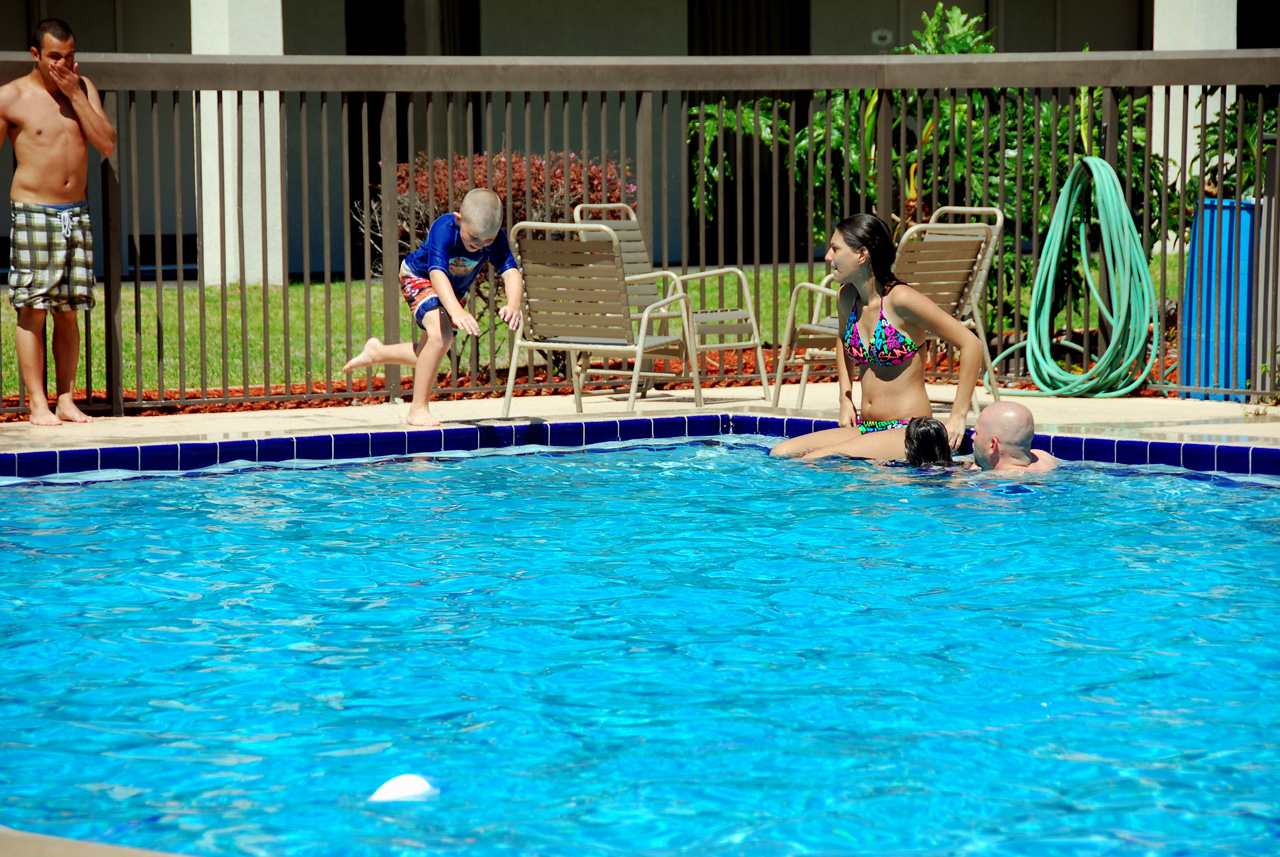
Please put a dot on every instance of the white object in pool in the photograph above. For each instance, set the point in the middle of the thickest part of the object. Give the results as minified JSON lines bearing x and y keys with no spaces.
{"x":404,"y":787}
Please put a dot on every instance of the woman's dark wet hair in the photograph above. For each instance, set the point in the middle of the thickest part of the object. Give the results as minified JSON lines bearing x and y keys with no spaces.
{"x":868,"y":232}
{"x":927,"y":443}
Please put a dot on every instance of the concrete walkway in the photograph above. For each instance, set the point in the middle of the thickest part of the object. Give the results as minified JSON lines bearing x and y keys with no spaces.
{"x":1178,"y":420}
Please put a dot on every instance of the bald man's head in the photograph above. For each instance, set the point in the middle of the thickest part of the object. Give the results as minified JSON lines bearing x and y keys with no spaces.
{"x":1013,"y":430}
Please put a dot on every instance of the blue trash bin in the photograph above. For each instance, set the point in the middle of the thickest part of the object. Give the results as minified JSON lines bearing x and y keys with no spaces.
{"x":1217,"y":301}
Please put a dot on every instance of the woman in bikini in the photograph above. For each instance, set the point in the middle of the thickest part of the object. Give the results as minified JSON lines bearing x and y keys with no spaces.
{"x":886,"y":322}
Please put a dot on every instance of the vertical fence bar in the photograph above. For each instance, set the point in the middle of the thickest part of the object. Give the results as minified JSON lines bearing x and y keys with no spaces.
{"x":156,"y":210}
{"x":495,"y":282}
{"x":811,"y":191}
{"x":1240,"y":289}
{"x":702,"y":185}
{"x":244,"y":296}
{"x":884,"y":156}
{"x":367,"y":232}
{"x":775,"y":232}
{"x":1070,"y":356}
{"x":1261,"y":362}
{"x":1015,"y":286}
{"x":344,"y":179}
{"x":684,"y":183}
{"x":565,"y":150}
{"x":1271,"y":266}
{"x":547,"y":197}
{"x":604,"y":158}
{"x":755,"y":228}
{"x":791,"y":196}
{"x":1036,"y":179}
{"x":264,"y":249}
{"x":326,"y":227}
{"x":135,"y":243}
{"x":664,"y":250}
{"x":1205,"y":250}
{"x":623,"y":112}
{"x":937,"y":142}
{"x":113,"y":235}
{"x":902,"y":153}
{"x":282,"y":114}
{"x":1163,"y":341}
{"x":644,"y":166}
{"x":722,"y":167}
{"x":741,"y":194}
{"x":390,"y":236}
{"x":1002,"y":269}
{"x":180,"y":234}
{"x":305,"y":213}
{"x":1146,"y":203}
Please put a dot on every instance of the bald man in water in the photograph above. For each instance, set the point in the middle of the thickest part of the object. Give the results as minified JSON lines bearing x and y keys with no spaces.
{"x":1002,"y":439}
{"x":50,"y":115}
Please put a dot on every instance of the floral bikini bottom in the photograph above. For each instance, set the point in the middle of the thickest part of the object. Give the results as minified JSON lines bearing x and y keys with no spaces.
{"x":873,"y":426}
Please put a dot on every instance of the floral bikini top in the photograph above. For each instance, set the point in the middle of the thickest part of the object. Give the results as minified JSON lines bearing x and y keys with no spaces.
{"x":889,"y":346}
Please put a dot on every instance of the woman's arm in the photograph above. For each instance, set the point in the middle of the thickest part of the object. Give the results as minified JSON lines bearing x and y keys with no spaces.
{"x":844,"y":367}
{"x":919,"y":311}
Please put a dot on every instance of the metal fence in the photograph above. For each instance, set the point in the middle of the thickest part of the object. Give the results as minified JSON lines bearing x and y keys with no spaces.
{"x":241,"y":216}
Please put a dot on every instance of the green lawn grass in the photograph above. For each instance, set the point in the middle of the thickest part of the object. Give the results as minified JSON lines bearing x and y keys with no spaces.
{"x":239,"y":333}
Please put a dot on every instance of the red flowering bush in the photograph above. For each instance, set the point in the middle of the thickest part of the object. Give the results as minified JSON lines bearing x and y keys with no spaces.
{"x":535,"y":186}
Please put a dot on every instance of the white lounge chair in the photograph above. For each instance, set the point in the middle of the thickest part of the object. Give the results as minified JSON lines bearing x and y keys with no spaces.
{"x":577,"y":300}
{"x":730,"y":328}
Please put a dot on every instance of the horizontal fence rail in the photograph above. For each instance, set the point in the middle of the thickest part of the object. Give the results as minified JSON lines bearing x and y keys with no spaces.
{"x":256,"y":209}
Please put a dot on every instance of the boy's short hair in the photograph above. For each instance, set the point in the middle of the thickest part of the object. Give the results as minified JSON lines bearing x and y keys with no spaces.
{"x":481,"y":211}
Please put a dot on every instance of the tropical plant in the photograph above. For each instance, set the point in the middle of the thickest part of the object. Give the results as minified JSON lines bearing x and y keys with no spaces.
{"x":1225,"y":175}
{"x":1004,"y":147}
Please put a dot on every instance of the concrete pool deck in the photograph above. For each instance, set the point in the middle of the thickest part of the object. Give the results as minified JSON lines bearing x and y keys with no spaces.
{"x":1173,"y":420}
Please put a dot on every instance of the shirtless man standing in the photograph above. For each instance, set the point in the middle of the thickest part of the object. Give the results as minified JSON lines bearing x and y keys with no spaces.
{"x":51,"y":114}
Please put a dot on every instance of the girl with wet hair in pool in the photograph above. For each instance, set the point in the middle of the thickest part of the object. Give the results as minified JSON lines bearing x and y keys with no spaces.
{"x":885,"y":322}
{"x":927,"y":443}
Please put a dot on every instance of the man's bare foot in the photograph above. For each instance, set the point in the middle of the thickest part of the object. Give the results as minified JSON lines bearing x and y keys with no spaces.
{"x":44,"y":417}
{"x":67,"y":412}
{"x":422,"y":418}
{"x":365,"y":357}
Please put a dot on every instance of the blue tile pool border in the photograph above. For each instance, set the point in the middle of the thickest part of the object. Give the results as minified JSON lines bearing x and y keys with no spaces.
{"x":189,"y":456}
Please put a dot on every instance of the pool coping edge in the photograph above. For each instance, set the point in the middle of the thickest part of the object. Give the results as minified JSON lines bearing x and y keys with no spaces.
{"x":196,"y":456}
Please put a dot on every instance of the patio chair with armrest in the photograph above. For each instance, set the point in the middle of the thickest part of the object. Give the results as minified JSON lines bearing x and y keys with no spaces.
{"x":808,"y":343}
{"x":950,"y":262}
{"x":730,"y":328}
{"x":576,"y":300}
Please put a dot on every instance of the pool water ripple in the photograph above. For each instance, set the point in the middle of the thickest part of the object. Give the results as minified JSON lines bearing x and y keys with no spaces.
{"x":686,"y":649}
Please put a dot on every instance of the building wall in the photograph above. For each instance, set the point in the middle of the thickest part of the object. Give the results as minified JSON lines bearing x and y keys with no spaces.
{"x":314,"y":27}
{"x":846,"y":26}
{"x":636,"y":28}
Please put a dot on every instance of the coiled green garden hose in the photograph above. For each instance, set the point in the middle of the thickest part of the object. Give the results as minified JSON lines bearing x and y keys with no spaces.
{"x":1132,"y":313}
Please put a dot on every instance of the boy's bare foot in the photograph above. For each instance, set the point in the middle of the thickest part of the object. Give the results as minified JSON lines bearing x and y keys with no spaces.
{"x":422,"y":418}
{"x":365,"y":357}
{"x":67,"y":412}
{"x":44,"y":417}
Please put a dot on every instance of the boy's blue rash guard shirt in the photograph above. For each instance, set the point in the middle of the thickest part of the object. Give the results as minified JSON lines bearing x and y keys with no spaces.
{"x":444,"y":251}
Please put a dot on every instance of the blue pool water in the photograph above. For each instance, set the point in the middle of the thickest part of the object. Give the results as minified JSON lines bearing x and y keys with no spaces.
{"x":685,"y":649}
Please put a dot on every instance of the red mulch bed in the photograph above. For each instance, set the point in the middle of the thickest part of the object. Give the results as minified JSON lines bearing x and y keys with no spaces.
{"x":736,"y":370}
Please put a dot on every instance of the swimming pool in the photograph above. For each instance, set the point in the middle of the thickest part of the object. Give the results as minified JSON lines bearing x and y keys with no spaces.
{"x":689,"y":647}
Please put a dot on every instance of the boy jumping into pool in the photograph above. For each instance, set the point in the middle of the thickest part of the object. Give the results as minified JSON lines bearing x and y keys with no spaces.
{"x":435,"y":280}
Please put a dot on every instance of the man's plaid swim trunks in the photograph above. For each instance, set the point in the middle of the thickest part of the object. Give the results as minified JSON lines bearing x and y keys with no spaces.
{"x":51,"y":257}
